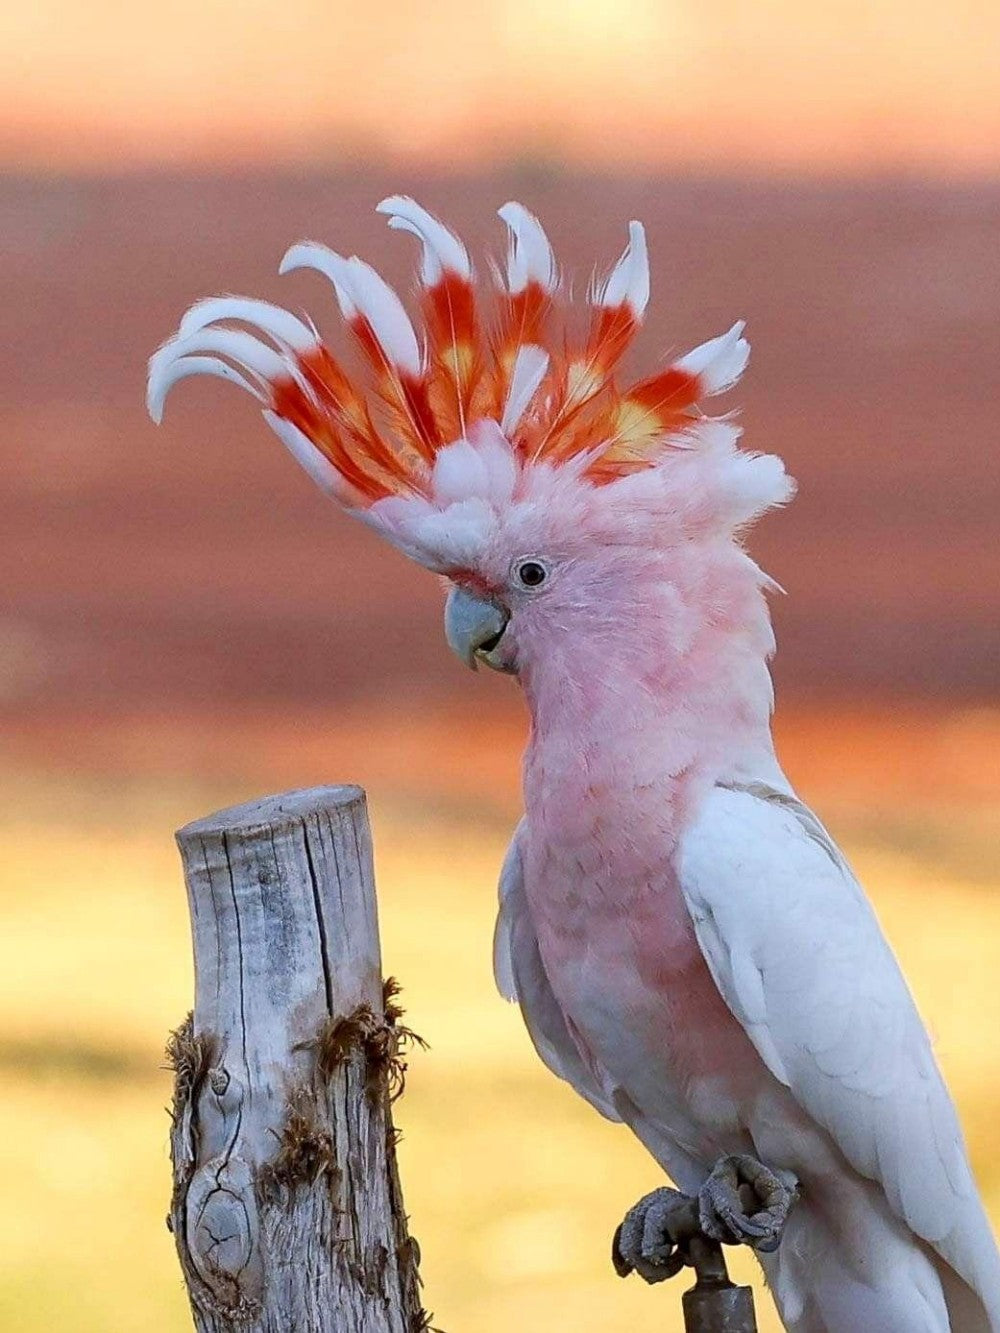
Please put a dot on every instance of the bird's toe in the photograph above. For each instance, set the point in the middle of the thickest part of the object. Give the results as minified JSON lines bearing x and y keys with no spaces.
{"x":650,"y":1240}
{"x":743,"y":1202}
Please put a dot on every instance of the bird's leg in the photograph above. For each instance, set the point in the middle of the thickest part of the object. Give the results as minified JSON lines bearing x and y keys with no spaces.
{"x":653,"y":1236}
{"x":743,"y":1202}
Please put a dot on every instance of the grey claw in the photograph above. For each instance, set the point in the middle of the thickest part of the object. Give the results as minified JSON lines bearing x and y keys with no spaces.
{"x":651,"y":1237}
{"x":743,"y":1202}
{"x":622,"y":1265}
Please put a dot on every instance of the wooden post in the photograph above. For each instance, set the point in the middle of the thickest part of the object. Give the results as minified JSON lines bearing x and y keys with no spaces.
{"x":286,"y":1207}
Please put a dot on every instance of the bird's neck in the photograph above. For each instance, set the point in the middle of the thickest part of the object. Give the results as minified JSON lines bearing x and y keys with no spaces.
{"x":638,"y":722}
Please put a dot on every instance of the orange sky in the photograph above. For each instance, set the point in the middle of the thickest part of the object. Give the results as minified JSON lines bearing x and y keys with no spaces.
{"x":787,"y":83}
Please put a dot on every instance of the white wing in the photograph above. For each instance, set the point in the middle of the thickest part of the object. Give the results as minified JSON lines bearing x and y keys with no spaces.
{"x":800,"y":959}
{"x":520,"y":975}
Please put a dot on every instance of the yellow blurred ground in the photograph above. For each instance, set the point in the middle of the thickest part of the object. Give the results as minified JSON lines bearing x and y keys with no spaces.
{"x":513,"y":1184}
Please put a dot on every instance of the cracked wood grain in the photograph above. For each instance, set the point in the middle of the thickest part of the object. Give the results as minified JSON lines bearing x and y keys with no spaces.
{"x":287,"y":1210}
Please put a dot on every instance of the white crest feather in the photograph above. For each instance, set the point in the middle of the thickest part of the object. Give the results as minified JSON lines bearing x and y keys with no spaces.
{"x":500,"y":462}
{"x":530,"y":257}
{"x":459,"y":473}
{"x":165,"y":372}
{"x":530,"y":366}
{"x":719,"y":362}
{"x":454,"y":535}
{"x":281,"y":325}
{"x":362,"y":291}
{"x":305,"y":453}
{"x":248,"y":352}
{"x":384,"y":311}
{"x":628,"y":281}
{"x":334,"y":267}
{"x":441,"y":248}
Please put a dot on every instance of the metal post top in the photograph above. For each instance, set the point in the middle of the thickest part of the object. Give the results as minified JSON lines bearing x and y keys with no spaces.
{"x":719,"y":1309}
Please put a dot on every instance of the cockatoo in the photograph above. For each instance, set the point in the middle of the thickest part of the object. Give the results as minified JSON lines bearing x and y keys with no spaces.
{"x":688,"y":946}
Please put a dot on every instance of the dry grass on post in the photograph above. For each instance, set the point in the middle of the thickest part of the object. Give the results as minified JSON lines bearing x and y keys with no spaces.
{"x":287,"y":1209}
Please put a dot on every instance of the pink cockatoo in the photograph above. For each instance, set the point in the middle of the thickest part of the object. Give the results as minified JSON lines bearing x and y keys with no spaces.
{"x":687,"y":944}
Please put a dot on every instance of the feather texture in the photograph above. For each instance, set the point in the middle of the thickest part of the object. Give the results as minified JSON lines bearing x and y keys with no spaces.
{"x":382,"y":426}
{"x":530,"y":258}
{"x":797,"y":954}
{"x":530,"y":367}
{"x":520,"y":977}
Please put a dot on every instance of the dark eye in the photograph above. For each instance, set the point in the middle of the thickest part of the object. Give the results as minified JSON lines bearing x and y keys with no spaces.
{"x":531,"y":573}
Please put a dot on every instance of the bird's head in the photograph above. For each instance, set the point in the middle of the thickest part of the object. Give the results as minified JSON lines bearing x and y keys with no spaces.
{"x":499,"y":450}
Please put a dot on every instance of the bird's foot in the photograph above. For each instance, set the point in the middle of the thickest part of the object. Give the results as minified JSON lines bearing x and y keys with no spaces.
{"x":652,"y":1239}
{"x":743,"y":1202}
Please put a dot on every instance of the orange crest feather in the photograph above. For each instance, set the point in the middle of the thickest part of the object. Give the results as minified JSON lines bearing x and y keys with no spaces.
{"x":378,"y":433}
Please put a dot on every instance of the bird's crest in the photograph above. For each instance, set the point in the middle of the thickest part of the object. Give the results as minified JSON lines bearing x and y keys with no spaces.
{"x":376,"y":431}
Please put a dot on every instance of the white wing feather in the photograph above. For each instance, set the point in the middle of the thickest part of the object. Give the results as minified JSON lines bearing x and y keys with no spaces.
{"x":800,"y":959}
{"x":520,"y":976}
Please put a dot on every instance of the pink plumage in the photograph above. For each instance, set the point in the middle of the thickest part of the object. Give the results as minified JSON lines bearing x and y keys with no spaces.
{"x":687,"y":944}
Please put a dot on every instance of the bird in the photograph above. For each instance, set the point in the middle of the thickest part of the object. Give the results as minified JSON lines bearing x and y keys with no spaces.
{"x":689,"y":948}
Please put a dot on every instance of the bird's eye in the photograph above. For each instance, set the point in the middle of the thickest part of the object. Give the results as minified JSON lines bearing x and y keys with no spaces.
{"x":531,"y":573}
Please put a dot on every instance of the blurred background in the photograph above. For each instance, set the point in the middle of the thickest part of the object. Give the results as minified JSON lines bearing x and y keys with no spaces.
{"x":185,"y":623}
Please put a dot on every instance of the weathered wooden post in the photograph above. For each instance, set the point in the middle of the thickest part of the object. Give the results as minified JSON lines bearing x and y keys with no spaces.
{"x":286,"y":1207}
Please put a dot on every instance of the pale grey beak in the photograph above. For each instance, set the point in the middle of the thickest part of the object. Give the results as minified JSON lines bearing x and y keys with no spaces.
{"x":473,"y":627}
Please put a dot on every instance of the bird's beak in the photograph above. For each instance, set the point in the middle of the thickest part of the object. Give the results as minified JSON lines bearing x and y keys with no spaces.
{"x":474,"y":627}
